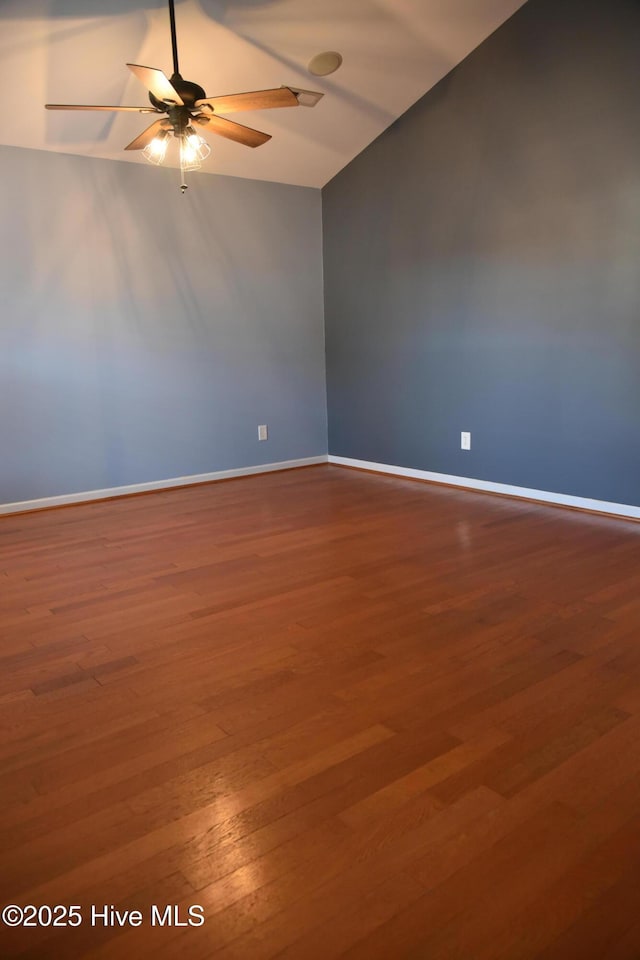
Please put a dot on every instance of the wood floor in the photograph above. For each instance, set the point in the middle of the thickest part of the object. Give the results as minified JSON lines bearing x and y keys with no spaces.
{"x":348,"y":715}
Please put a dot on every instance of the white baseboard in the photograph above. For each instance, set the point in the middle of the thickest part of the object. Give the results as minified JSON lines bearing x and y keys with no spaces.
{"x":89,"y":495}
{"x":489,"y":486}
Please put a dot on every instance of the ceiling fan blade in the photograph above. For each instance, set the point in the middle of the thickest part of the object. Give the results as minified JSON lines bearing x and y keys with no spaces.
{"x":147,"y":135}
{"x":233,"y":131}
{"x":306,"y":98}
{"x":257,"y":100}
{"x":157,"y":83}
{"x":82,"y":106}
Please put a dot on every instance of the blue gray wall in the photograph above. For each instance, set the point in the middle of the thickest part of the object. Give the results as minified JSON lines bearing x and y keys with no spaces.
{"x":482,"y":265}
{"x":144,"y":335}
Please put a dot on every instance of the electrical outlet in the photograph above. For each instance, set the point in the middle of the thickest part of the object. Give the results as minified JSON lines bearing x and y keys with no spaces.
{"x":465,"y":441}
{"x":263,"y":433}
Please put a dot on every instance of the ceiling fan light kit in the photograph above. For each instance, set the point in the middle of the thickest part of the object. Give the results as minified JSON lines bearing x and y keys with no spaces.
{"x":156,"y":150}
{"x":181,"y":103}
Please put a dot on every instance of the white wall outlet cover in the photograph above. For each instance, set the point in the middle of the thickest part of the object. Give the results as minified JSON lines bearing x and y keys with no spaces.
{"x":465,"y":441}
{"x":263,"y":433}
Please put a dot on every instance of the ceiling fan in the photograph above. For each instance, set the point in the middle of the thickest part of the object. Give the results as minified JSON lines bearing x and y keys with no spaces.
{"x":181,"y":103}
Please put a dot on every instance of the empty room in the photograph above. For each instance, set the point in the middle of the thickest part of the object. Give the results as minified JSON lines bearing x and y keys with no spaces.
{"x":320,"y":480}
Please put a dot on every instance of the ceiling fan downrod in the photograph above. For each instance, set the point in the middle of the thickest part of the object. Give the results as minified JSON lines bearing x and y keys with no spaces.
{"x":174,"y":41}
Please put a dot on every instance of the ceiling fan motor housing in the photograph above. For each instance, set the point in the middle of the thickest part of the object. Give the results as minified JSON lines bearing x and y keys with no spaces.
{"x":190,"y":92}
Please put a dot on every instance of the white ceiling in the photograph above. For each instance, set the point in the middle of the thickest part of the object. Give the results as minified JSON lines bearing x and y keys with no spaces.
{"x":74,"y":51}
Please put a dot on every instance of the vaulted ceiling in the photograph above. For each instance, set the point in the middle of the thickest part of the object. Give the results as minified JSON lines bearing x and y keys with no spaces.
{"x":75,"y":51}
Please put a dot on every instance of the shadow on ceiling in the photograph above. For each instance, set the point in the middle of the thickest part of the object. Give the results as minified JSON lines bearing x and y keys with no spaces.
{"x":38,"y":9}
